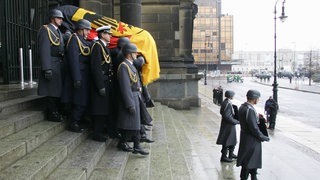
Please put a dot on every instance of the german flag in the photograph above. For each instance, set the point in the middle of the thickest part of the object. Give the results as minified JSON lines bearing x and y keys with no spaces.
{"x":142,"y":38}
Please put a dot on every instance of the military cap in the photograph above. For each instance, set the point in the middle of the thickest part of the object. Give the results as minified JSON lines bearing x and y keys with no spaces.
{"x":83,"y":24}
{"x":229,"y":94}
{"x":253,"y":94}
{"x":55,"y":13}
{"x":122,"y":41}
{"x":129,"y":48}
{"x":106,"y":29}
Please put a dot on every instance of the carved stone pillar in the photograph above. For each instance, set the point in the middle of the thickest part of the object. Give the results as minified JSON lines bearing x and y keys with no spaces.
{"x":130,"y":12}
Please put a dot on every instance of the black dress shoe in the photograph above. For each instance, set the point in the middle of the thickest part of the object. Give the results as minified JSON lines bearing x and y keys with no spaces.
{"x":55,"y":117}
{"x":124,"y":147}
{"x":74,"y":127}
{"x":233,"y":156}
{"x":225,"y":159}
{"x":140,"y":151}
{"x":99,"y":138}
{"x":146,"y":140}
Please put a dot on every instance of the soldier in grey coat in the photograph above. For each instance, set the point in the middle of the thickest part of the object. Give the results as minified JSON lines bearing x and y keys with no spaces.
{"x":51,"y":52}
{"x":130,"y":94}
{"x":250,"y":150}
{"x":227,"y":135}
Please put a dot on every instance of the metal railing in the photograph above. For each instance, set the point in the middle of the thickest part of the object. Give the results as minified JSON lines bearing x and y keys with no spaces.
{"x":20,"y":21}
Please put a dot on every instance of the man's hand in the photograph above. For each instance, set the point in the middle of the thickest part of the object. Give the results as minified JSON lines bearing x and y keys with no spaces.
{"x":48,"y":74}
{"x":102,"y":92}
{"x":77,"y":84}
{"x":132,"y":110}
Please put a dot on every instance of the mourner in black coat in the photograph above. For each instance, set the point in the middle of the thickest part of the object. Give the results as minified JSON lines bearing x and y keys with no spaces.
{"x":76,"y":90}
{"x":250,"y":149}
{"x":51,"y":52}
{"x":227,"y":135}
{"x":271,"y":107}
{"x":101,"y":87}
{"x":129,"y":120}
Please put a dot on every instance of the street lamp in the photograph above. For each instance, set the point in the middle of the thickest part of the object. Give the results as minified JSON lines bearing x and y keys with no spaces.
{"x":205,"y":59}
{"x":283,"y":17}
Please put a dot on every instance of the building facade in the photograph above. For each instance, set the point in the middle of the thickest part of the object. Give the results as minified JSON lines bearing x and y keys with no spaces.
{"x":212,"y":36}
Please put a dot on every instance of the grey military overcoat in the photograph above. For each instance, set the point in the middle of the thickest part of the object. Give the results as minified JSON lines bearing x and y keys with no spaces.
{"x":250,"y":150}
{"x":51,"y":57}
{"x":227,"y":134}
{"x":130,"y":93}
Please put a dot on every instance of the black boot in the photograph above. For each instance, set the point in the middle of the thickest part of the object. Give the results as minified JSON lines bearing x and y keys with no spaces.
{"x":253,"y":174}
{"x":137,"y":148}
{"x":75,"y":127}
{"x":224,"y":153}
{"x":124,"y":146}
{"x":231,"y":155}
{"x":244,"y":173}
{"x":55,"y":117}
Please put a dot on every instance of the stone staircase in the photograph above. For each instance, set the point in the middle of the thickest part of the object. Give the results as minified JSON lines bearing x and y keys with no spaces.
{"x":33,"y":148}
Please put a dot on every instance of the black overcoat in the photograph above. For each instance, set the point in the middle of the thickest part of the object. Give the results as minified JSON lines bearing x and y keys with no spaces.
{"x":250,"y":150}
{"x":227,"y":134}
{"x":51,"y":57}
{"x":130,"y":93}
{"x":78,"y":70}
{"x":102,"y":77}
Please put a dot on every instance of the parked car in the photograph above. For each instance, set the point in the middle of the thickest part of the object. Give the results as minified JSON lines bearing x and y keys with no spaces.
{"x":264,"y":74}
{"x":282,"y":74}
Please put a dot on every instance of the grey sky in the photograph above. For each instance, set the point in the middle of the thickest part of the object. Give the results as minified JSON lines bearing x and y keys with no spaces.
{"x":254,"y":24}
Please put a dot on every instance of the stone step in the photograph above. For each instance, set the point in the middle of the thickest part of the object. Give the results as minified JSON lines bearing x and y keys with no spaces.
{"x":159,"y":152}
{"x":19,"y":104}
{"x":111,"y":165}
{"x":15,"y":91}
{"x":19,"y":144}
{"x":46,"y":158}
{"x":13,"y":123}
{"x":80,"y":163}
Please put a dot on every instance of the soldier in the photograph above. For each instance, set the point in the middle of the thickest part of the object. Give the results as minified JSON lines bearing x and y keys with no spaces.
{"x":227,"y":135}
{"x":78,"y":55}
{"x":271,"y":107}
{"x":51,"y":52}
{"x":130,"y":92}
{"x":144,"y":114}
{"x":250,"y":150}
{"x":102,"y":75}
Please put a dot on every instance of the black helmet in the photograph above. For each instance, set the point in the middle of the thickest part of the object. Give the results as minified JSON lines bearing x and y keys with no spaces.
{"x":129,"y":48}
{"x":253,"y":94}
{"x":139,"y":62}
{"x":122,"y":41}
{"x":83,"y":24}
{"x":55,"y":13}
{"x":229,"y":94}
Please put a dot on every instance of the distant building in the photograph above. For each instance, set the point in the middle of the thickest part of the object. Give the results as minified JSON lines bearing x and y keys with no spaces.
{"x":287,"y":60}
{"x":212,"y":36}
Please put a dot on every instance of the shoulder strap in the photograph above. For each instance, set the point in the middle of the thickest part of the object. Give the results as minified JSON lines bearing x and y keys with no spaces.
{"x":81,"y":46}
{"x":55,"y":42}
{"x":106,"y":56}
{"x":133,"y":77}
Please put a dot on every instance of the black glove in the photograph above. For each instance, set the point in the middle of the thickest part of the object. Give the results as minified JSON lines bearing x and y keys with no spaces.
{"x":132,"y":110}
{"x":102,"y":92}
{"x":77,"y":84}
{"x":48,"y":74}
{"x":265,"y":138}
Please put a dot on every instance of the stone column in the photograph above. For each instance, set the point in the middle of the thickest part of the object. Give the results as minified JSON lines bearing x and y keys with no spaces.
{"x":130,"y":12}
{"x":178,"y":83}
